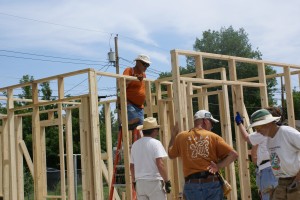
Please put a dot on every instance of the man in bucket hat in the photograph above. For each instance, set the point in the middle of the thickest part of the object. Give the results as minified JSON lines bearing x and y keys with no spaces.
{"x":203,"y":154}
{"x":135,"y":91}
{"x":265,"y":179}
{"x":284,"y":148}
{"x":147,"y":165}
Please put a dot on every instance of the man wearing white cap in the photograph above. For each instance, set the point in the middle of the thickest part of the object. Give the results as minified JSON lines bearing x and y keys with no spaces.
{"x":147,"y":166}
{"x":203,"y":154}
{"x":135,"y":90}
{"x":284,"y":148}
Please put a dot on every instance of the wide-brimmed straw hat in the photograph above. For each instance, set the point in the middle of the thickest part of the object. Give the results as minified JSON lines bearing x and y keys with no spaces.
{"x":204,"y":114}
{"x":143,"y":58}
{"x":149,"y":123}
{"x":261,"y":117}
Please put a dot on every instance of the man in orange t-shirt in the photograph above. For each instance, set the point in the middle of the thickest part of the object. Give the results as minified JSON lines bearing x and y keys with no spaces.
{"x":203,"y":153}
{"x":135,"y":91}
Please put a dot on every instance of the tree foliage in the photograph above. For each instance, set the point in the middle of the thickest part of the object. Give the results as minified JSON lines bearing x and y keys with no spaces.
{"x":296,"y":98}
{"x":52,"y":136}
{"x":228,"y":41}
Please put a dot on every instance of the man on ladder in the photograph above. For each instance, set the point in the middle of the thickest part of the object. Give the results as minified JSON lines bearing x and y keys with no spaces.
{"x":135,"y":92}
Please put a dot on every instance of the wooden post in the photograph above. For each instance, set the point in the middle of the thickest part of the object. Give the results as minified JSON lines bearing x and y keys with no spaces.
{"x":44,"y":157}
{"x":12,"y":146}
{"x":227,"y":131}
{"x":61,"y":139}
{"x":178,"y":114}
{"x":263,"y":89}
{"x":69,"y":156}
{"x":5,"y":162}
{"x":95,"y":135}
{"x":19,"y":157}
{"x":85,"y":148}
{"x":242,"y":149}
{"x":149,"y":108}
{"x":108,"y":141}
{"x":36,"y":143}
{"x":289,"y":96}
{"x":125,"y":137}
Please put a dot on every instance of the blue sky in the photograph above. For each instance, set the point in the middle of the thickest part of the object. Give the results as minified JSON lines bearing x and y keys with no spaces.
{"x":45,"y":38}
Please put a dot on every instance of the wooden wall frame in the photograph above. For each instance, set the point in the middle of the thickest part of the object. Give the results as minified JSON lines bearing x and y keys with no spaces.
{"x":171,"y":102}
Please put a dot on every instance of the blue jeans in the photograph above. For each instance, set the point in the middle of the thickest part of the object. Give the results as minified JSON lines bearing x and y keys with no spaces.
{"x":265,"y":180}
{"x":203,"y":191}
{"x":135,"y":112}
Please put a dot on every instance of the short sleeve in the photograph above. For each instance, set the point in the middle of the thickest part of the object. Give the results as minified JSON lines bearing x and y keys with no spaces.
{"x":159,"y":151}
{"x":256,"y":138}
{"x":127,"y":71}
{"x":223,"y":149}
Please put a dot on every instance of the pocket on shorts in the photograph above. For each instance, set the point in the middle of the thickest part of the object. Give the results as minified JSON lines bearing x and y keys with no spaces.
{"x":294,"y":189}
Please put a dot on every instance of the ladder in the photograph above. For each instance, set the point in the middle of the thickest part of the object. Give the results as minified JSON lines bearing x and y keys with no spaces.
{"x":136,"y":136}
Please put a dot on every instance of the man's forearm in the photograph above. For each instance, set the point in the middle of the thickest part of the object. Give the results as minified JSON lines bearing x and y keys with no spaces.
{"x":244,"y":133}
{"x":171,"y":142}
{"x":162,"y":169}
{"x":132,"y":172}
{"x":232,"y":156}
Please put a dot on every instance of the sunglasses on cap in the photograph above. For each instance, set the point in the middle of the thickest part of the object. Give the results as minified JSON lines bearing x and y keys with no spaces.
{"x":207,"y":115}
{"x":145,"y":64}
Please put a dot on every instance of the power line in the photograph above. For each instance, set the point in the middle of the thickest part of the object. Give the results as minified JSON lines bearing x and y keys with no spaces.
{"x":64,"y":58}
{"x":51,"y":23}
{"x":85,"y":80}
{"x":82,"y":29}
{"x":56,"y":61}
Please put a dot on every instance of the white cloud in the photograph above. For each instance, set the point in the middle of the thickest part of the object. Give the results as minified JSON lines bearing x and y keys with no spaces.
{"x":147,"y":27}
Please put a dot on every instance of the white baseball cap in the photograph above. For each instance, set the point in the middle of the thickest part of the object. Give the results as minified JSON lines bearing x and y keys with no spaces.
{"x":143,"y":58}
{"x":204,"y":114}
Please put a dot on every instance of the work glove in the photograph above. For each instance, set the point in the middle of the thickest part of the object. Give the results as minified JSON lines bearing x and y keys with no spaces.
{"x":238,"y":119}
{"x":140,"y":77}
{"x":168,"y":186}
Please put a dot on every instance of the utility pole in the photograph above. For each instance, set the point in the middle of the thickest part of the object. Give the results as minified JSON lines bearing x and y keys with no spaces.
{"x":117,"y":58}
{"x":117,"y":82}
{"x":114,"y":58}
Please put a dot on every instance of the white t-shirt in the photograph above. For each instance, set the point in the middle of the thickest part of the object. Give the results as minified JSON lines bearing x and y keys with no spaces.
{"x":143,"y":155}
{"x":284,"y":150}
{"x":262,"y":149}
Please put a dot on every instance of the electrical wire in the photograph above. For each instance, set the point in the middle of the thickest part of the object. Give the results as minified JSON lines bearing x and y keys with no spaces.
{"x":41,"y":55}
{"x":82,"y":29}
{"x":56,"y":24}
{"x":55,"y":61}
{"x":84,"y":80}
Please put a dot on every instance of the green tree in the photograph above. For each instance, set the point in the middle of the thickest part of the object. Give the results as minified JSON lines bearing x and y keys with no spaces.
{"x":228,"y":41}
{"x":296,"y":98}
{"x":232,"y":42}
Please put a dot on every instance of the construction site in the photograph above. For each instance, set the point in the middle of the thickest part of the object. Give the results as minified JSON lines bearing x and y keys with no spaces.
{"x":170,"y":100}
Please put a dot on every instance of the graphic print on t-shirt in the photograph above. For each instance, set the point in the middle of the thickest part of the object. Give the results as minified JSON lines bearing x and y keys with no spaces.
{"x":198,"y":147}
{"x":275,"y":161}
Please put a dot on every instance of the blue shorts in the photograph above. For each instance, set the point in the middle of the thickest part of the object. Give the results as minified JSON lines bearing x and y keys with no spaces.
{"x":265,"y":179}
{"x":135,"y":112}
